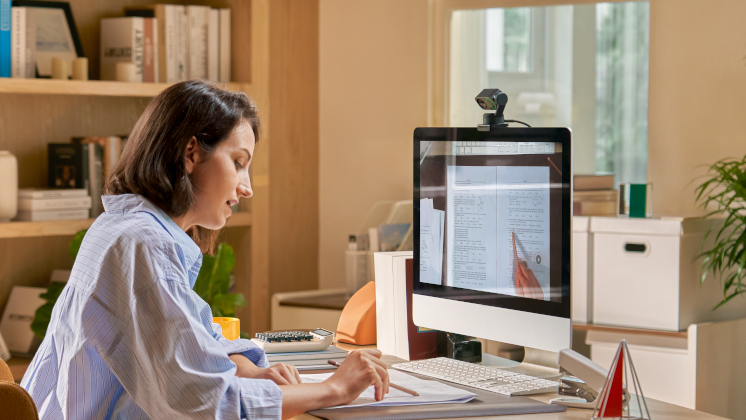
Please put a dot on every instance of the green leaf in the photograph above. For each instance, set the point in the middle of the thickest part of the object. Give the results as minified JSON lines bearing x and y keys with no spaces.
{"x":43,"y":315}
{"x":76,"y":242}
{"x":213,"y":282}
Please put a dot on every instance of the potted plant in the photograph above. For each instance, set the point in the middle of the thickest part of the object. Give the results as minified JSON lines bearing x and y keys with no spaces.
{"x":724,"y":194}
{"x":212,"y":285}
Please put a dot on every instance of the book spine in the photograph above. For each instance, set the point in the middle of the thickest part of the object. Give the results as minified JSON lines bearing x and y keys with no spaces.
{"x":94,"y":169}
{"x":213,"y":45}
{"x":225,"y":45}
{"x":42,"y":216}
{"x":119,"y":43}
{"x":138,"y":32}
{"x":5,"y":41}
{"x":31,"y":204}
{"x":171,"y":26}
{"x":182,"y":45}
{"x":150,"y":51}
{"x":18,"y":42}
{"x":30,"y":45}
{"x":45,"y":194}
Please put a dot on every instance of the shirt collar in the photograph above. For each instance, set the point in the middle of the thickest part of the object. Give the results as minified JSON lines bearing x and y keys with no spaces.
{"x":133,"y":203}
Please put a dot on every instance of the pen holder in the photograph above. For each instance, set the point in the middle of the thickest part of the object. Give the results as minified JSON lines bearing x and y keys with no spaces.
{"x":461,"y":347}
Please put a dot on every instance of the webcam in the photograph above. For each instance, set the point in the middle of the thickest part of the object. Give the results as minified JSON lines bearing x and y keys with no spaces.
{"x":493,"y":100}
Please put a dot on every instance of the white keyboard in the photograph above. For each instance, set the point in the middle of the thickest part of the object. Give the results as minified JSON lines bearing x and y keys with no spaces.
{"x":483,"y":377}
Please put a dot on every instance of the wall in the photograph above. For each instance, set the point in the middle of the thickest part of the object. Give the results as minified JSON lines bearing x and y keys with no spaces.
{"x":697,"y":99}
{"x":373,"y":93}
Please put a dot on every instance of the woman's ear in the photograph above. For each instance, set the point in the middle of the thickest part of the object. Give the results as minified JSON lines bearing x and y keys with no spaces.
{"x":191,"y":157}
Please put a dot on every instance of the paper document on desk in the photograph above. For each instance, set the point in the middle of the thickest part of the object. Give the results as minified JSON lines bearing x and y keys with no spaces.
{"x":431,"y":392}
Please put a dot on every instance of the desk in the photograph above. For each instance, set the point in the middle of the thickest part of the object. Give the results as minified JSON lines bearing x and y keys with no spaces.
{"x":658,"y":410}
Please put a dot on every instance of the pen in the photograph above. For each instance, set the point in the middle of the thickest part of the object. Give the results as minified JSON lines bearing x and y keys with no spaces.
{"x":515,"y":254}
{"x":392,"y":385}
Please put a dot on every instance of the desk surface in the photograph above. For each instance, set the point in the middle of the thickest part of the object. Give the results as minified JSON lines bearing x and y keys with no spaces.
{"x":658,"y":410}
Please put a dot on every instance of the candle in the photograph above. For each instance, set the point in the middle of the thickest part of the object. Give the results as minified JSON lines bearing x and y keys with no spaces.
{"x":80,"y":69}
{"x":59,"y":68}
{"x":127,"y":72}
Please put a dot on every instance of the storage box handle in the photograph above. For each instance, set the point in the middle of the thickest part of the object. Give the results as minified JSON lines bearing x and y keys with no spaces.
{"x":636,"y":248}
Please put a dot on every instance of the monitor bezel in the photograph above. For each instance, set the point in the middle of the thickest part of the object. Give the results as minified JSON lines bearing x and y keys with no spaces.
{"x":563,"y":136}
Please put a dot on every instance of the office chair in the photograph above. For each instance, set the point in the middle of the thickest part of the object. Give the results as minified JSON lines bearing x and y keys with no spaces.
{"x":16,"y":402}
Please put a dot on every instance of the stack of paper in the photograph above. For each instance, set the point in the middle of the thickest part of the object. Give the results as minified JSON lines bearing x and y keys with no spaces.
{"x":431,"y":242}
{"x":431,"y":392}
{"x":310,"y":360}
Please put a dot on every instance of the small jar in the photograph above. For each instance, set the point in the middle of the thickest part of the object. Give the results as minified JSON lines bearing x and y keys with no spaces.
{"x":8,"y":186}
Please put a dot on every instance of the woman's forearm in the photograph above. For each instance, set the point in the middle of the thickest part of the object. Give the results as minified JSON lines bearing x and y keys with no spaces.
{"x":297,"y":399}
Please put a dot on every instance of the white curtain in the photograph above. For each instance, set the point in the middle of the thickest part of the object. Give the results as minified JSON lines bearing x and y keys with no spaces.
{"x":468,"y":69}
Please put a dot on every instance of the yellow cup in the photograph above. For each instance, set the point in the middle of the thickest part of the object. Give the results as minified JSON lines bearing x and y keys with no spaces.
{"x":231,"y":327}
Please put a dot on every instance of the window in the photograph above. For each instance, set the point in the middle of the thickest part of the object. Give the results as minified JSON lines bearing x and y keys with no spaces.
{"x":580,"y":66}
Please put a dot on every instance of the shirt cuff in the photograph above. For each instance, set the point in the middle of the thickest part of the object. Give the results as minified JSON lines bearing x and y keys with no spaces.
{"x":242,"y":346}
{"x":260,"y":399}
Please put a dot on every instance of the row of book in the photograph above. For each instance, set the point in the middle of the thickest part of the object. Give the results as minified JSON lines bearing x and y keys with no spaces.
{"x":39,"y":205}
{"x":77,"y":172}
{"x":594,"y":195}
{"x":17,"y":41}
{"x":169,"y":43}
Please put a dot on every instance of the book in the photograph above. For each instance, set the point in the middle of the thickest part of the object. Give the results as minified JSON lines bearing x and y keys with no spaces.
{"x":593,"y":182}
{"x":595,"y":203}
{"x":77,"y":165}
{"x":396,"y":333}
{"x":198,"y":20}
{"x":213,"y":45}
{"x":112,"y":147}
{"x":121,"y":42}
{"x":5,"y":38}
{"x":150,"y":50}
{"x":15,"y":325}
{"x":54,"y":193}
{"x":225,"y":46}
{"x":167,"y":20}
{"x":67,"y":203}
{"x":48,"y":215}
{"x":23,"y":40}
{"x":182,"y":44}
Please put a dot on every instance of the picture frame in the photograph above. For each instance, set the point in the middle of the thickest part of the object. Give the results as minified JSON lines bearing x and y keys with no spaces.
{"x":56,"y":34}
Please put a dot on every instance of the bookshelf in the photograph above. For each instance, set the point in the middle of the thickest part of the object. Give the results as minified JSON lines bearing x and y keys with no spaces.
{"x":93,"y":87}
{"x":274,"y":49}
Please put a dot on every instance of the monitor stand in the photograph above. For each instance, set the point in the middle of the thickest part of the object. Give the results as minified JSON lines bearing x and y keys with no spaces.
{"x":538,"y":363}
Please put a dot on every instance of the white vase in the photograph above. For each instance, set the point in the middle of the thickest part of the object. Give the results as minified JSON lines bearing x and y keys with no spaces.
{"x":8,"y":186}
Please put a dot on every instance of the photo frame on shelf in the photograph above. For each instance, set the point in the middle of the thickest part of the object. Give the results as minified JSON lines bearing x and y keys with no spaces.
{"x":56,"y":34}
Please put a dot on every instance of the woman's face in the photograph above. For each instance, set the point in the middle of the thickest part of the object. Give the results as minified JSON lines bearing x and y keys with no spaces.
{"x":219,"y":178}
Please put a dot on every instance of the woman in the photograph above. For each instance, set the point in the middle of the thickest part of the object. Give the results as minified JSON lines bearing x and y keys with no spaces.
{"x":129,"y":338}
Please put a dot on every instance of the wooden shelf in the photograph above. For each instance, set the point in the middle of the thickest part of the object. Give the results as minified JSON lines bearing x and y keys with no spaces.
{"x":628,"y":330}
{"x":92,"y":87}
{"x":71,"y":227}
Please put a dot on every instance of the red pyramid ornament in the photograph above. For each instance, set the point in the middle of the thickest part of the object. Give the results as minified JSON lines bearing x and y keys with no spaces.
{"x":615,"y":400}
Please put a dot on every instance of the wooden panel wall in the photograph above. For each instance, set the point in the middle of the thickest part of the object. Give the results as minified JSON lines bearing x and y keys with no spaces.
{"x":294,"y":159}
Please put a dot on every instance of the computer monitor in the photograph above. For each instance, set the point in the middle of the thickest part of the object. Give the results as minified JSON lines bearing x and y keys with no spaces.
{"x":475,"y":193}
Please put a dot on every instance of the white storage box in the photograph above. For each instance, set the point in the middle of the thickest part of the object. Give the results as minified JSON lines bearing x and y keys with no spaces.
{"x":646,"y":274}
{"x":582,"y":302}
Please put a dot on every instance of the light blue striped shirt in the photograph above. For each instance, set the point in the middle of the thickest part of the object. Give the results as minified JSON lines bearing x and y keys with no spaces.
{"x":130,"y":339}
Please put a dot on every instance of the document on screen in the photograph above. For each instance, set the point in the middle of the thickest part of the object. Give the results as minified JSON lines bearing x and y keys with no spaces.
{"x":432,"y":223}
{"x":486,"y":205}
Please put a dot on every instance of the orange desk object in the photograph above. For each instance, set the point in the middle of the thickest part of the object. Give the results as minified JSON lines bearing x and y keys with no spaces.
{"x":231,"y":327}
{"x":357,"y":325}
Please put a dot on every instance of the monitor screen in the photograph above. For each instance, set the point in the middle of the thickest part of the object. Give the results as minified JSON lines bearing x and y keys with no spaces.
{"x":492,"y":217}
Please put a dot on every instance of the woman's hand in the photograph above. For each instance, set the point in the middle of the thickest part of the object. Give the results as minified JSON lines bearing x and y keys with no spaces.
{"x":281,"y":374}
{"x":361,"y":369}
{"x":526,"y":284}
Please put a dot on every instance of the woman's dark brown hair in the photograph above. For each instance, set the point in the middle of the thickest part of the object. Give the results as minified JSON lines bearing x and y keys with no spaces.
{"x":153,"y":161}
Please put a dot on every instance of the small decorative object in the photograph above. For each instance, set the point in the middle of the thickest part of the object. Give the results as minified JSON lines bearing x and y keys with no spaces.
{"x":56,"y":34}
{"x":59,"y":68}
{"x":80,"y":69}
{"x":127,"y":72}
{"x":724,"y":193}
{"x":8,"y":186}
{"x":461,"y":347}
{"x":636,"y":200}
{"x":615,"y":400}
